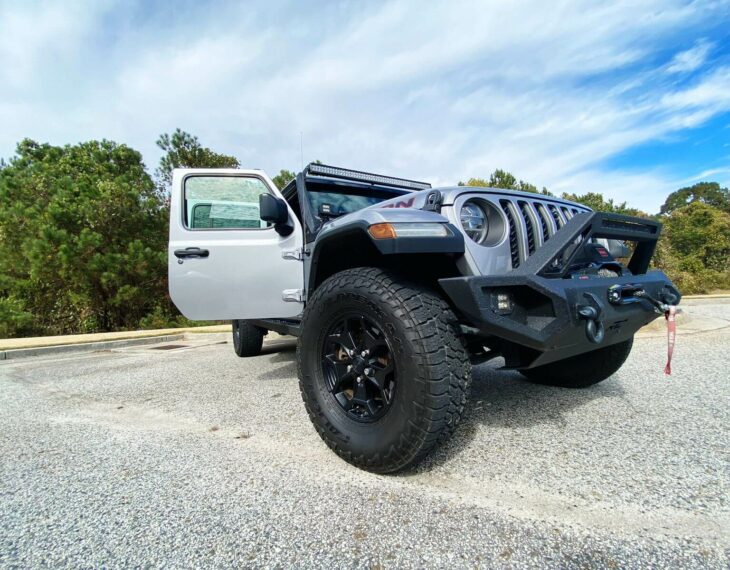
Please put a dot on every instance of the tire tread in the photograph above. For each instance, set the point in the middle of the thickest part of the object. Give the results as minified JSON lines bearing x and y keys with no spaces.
{"x":583,"y":370}
{"x":251,"y":339}
{"x":441,"y":359}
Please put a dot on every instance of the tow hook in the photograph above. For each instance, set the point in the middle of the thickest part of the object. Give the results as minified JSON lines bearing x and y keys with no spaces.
{"x":595,"y":331}
{"x":668,"y":299}
{"x":629,"y":293}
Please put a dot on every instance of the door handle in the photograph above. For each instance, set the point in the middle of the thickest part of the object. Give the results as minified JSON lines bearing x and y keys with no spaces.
{"x":191,"y":252}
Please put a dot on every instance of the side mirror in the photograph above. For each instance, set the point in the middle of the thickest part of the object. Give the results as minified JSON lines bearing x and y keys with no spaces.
{"x":274,"y":211}
{"x":617,"y":248}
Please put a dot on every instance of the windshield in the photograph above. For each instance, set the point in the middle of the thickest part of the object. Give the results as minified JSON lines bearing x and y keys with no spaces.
{"x":340,"y":201}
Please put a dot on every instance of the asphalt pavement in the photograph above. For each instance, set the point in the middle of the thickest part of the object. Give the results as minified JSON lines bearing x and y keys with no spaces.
{"x":183,"y":455}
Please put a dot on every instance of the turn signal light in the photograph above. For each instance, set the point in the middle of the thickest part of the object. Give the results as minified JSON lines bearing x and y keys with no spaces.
{"x":382,"y":231}
{"x":387,"y":230}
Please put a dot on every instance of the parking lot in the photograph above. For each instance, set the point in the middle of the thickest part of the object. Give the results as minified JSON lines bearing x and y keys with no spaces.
{"x":189,"y":456}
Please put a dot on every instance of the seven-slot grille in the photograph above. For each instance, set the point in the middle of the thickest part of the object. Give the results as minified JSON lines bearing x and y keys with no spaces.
{"x":531,"y":223}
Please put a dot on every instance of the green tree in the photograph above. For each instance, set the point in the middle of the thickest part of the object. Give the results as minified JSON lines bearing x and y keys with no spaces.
{"x":503,"y":179}
{"x":694,"y":249}
{"x":479,"y":182}
{"x":709,"y":193}
{"x":702,"y":233}
{"x":286,"y":176}
{"x":183,"y":150}
{"x":283,"y":178}
{"x":82,"y":239}
{"x":14,"y":319}
{"x":598,"y":203}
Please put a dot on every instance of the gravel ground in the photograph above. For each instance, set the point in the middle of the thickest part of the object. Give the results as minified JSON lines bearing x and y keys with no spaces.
{"x":193,"y":457}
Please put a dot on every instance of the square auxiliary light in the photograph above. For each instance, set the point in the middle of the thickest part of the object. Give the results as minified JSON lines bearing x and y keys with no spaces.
{"x":502,"y":303}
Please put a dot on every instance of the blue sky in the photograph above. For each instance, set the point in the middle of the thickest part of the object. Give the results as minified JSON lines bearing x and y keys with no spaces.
{"x":631,"y":99}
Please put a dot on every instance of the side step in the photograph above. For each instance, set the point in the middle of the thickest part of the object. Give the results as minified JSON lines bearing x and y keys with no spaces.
{"x":281,"y":326}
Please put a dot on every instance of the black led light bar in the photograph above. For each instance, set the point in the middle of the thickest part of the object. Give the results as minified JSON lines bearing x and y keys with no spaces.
{"x":336,"y":172}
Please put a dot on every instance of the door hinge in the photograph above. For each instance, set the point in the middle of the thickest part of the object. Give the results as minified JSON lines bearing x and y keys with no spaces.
{"x":294,"y":295}
{"x":295,"y":254}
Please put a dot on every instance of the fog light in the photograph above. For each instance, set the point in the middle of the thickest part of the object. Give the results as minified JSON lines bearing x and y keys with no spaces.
{"x":502,"y":303}
{"x":614,"y":294}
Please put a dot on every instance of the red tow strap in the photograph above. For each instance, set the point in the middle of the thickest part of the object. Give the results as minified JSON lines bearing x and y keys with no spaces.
{"x":671,"y":317}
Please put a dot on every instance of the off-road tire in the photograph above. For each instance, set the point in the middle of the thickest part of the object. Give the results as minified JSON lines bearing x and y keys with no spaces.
{"x":247,"y":338}
{"x":432,"y":367}
{"x":584,"y":369}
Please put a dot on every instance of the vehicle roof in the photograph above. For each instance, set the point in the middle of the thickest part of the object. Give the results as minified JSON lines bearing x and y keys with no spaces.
{"x":333,"y":175}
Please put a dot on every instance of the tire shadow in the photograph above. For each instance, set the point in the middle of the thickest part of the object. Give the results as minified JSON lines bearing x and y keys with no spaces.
{"x":505,"y":399}
{"x":282,"y":352}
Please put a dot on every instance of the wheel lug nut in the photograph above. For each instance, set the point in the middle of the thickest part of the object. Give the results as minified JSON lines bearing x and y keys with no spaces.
{"x":349,"y":367}
{"x":368,"y":371}
{"x":364,"y":353}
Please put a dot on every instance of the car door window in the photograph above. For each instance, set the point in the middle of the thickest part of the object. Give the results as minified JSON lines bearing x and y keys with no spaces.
{"x":223,"y":202}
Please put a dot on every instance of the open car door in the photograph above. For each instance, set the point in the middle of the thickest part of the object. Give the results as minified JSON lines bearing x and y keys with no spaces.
{"x":224,"y":262}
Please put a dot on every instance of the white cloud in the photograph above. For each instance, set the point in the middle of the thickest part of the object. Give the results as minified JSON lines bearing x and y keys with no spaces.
{"x":441,"y":91}
{"x":711,"y":93}
{"x":691,"y":59}
{"x":35,"y":33}
{"x":639,"y":190}
{"x":710,"y":172}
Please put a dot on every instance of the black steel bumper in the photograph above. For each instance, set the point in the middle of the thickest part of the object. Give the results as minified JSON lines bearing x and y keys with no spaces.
{"x":552,"y":315}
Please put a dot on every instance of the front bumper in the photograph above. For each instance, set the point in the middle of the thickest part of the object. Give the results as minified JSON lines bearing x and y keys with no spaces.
{"x":554,"y":316}
{"x":545,"y":323}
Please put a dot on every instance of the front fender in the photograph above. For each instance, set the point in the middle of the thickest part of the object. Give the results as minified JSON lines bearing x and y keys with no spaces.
{"x":346,"y":242}
{"x":359,"y":222}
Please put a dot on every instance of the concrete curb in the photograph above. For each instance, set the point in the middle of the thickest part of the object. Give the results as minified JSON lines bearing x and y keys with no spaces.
{"x":41,"y":346}
{"x":85,"y":347}
{"x":211,"y":337}
{"x":43,"y":341}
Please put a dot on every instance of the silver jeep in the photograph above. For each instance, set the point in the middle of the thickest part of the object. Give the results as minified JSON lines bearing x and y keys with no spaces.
{"x":395,"y":289}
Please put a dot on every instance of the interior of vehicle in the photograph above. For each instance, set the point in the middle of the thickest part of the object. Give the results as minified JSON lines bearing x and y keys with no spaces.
{"x":330,"y":199}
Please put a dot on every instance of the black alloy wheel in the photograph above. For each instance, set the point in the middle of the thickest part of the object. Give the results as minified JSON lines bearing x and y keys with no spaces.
{"x":359,"y":368}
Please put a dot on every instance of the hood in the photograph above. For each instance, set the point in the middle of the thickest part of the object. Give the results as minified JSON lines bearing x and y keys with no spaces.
{"x":450,"y":193}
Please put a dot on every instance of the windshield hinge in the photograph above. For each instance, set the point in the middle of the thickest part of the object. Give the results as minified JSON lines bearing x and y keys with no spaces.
{"x":434,"y":201}
{"x":293,"y":295}
{"x":295,"y":254}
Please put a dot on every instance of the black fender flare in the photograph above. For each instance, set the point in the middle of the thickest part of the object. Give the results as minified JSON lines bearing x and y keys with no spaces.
{"x":356,"y":232}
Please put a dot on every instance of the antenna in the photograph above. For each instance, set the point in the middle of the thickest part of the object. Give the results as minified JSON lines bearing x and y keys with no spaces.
{"x":301,"y":148}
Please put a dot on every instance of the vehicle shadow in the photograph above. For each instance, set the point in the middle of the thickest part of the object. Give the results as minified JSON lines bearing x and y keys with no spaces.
{"x":499,"y":399}
{"x":285,"y":347}
{"x":505,"y":399}
{"x":282,"y":352}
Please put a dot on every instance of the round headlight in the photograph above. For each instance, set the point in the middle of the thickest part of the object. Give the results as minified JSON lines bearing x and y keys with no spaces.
{"x":474,"y":221}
